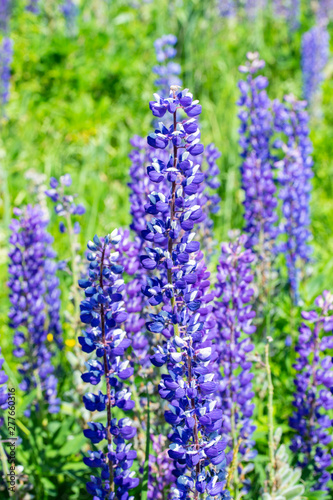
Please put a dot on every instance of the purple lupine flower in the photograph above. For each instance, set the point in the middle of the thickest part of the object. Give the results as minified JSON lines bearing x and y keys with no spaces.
{"x":227,"y":8}
{"x":64,"y":205}
{"x":313,"y":398}
{"x":33,"y":6}
{"x":257,"y":173}
{"x":289,"y":10}
{"x":168,"y":70}
{"x":234,"y":316}
{"x":160,"y":475}
{"x":315,"y":53}
{"x":6,"y":56}
{"x":103,"y":313}
{"x":3,"y":388}
{"x":34,"y":296}
{"x":325,"y":11}
{"x":294,"y":175}
{"x":5,"y":7}
{"x":188,"y":350}
{"x":70,"y":12}
{"x":253,"y":7}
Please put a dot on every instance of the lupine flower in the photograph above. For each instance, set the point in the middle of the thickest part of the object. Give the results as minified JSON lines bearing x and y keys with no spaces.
{"x":257,"y":173}
{"x":313,"y":398}
{"x":188,"y":351}
{"x":294,"y":174}
{"x":34,"y":313}
{"x":227,"y":8}
{"x":3,"y":388}
{"x":33,"y":6}
{"x":325,"y":11}
{"x":160,"y":475}
{"x":64,"y":203}
{"x":103,"y":313}
{"x":253,"y":7}
{"x":6,"y":56}
{"x":315,"y":52}
{"x":4,"y":15}
{"x":70,"y":12}
{"x":234,"y":316}
{"x":168,"y":70}
{"x":289,"y":10}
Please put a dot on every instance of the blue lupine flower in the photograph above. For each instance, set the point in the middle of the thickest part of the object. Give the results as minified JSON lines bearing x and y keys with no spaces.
{"x":182,"y":289}
{"x":35,"y":301}
{"x":103,"y":312}
{"x":168,"y":70}
{"x":313,"y":398}
{"x":257,"y":173}
{"x":294,"y":175}
{"x":3,"y":389}
{"x":6,"y":56}
{"x":315,"y":52}
{"x":234,"y":316}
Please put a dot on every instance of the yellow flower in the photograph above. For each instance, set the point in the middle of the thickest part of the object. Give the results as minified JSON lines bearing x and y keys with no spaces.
{"x":70,"y":342}
{"x":49,"y":337}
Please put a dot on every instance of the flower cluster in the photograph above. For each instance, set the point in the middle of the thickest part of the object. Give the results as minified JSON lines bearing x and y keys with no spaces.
{"x":315,"y":51}
{"x":33,"y":6}
{"x":257,"y":173}
{"x":234,"y":316}
{"x":103,"y":313}
{"x":180,"y":286}
{"x":6,"y":56}
{"x":160,"y":476}
{"x":313,"y":399}
{"x":3,"y":388}
{"x":294,"y":174}
{"x":64,"y":203}
{"x":35,"y":301}
{"x":5,"y":8}
{"x":169,"y":70}
{"x":227,"y":8}
{"x":289,"y":10}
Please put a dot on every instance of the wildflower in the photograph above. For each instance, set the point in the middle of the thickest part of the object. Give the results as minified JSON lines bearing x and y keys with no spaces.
{"x":103,"y":313}
{"x":189,"y":385}
{"x":313,"y":398}
{"x":35,"y":301}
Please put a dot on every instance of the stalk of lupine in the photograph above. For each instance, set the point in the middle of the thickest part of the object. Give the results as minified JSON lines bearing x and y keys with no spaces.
{"x":313,"y":398}
{"x":103,"y":312}
{"x":3,"y":389}
{"x":68,"y":210}
{"x":234,"y":316}
{"x":6,"y":56}
{"x":315,"y":52}
{"x":188,"y":352}
{"x":160,"y":476}
{"x":289,"y":10}
{"x":34,"y":296}
{"x":257,"y":174}
{"x":294,"y":176}
{"x":168,"y":70}
{"x":324,"y":11}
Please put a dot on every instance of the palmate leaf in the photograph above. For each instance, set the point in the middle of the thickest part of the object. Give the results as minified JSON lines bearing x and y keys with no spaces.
{"x":287,"y":479}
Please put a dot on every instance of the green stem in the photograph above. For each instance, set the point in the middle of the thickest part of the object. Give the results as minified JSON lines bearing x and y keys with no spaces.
{"x":270,"y":420}
{"x":5,"y":469}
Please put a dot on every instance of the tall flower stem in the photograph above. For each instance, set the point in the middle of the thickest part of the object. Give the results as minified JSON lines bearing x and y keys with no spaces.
{"x":271,"y":445}
{"x":106,"y":373}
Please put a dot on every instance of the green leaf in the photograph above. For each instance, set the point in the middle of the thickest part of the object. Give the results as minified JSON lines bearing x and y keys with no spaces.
{"x":144,"y":493}
{"x":73,"y":446}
